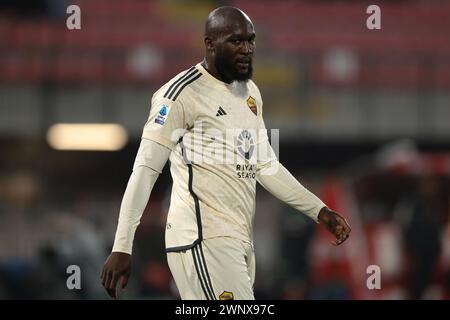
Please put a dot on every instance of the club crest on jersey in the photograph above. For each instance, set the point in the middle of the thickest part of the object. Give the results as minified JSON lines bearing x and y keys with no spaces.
{"x":162,"y":115}
{"x":226,"y":295}
{"x":251,"y":102}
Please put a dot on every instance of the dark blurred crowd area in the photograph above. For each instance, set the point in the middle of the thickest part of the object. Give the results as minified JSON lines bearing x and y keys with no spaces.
{"x":371,"y":140}
{"x":55,"y":214}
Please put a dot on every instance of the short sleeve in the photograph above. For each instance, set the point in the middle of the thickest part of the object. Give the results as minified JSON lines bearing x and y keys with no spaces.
{"x":167,"y":122}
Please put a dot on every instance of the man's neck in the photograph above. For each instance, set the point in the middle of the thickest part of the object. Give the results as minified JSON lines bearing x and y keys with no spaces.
{"x":211,"y":68}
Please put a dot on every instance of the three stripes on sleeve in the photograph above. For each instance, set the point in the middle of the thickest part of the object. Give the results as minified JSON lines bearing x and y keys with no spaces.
{"x":175,"y":89}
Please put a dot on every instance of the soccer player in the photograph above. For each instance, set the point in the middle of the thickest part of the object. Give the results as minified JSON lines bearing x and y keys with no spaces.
{"x":208,"y":121}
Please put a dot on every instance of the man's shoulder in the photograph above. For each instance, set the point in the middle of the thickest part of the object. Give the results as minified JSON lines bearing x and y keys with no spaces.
{"x":175,"y":87}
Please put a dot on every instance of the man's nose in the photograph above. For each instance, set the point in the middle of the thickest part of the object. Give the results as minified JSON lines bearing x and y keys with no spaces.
{"x":247,"y":47}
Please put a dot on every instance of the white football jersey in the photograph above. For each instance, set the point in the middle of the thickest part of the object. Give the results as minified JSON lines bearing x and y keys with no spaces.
{"x":213,"y":130}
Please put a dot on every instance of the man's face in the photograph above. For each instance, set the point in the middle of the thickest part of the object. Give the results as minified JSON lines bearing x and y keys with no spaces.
{"x":234,"y":51}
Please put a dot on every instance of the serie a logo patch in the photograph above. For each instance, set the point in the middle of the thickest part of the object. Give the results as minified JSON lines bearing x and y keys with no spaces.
{"x":162,"y":114}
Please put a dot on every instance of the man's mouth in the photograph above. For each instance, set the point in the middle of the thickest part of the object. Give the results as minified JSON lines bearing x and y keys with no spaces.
{"x":243,"y":62}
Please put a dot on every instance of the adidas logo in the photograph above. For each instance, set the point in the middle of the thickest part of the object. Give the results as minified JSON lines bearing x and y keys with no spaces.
{"x":220,"y":112}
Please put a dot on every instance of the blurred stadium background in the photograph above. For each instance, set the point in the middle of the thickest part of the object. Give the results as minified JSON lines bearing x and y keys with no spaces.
{"x":364,"y":120}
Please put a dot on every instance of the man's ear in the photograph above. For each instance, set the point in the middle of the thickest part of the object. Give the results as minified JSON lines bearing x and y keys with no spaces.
{"x":209,"y":44}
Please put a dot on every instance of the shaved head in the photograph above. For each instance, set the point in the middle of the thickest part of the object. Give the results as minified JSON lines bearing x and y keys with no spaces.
{"x":223,"y":19}
{"x":229,"y":43}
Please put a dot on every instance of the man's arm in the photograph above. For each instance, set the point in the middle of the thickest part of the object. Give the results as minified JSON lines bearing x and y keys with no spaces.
{"x":276,"y":179}
{"x":150,"y":161}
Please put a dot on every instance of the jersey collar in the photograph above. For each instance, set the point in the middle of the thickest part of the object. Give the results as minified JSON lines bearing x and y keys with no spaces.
{"x":212,"y":78}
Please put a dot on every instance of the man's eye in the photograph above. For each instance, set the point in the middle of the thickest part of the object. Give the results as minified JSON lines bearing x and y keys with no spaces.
{"x":236,"y":42}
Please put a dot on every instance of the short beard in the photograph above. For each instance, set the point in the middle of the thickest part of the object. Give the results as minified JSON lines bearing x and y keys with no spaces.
{"x":229,"y":73}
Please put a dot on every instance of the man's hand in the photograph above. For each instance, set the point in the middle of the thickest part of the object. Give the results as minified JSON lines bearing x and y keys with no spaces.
{"x":115,"y":273}
{"x":336,"y":224}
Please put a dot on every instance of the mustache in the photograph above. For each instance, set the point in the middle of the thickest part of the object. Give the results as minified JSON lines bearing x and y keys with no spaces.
{"x":244,"y":60}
